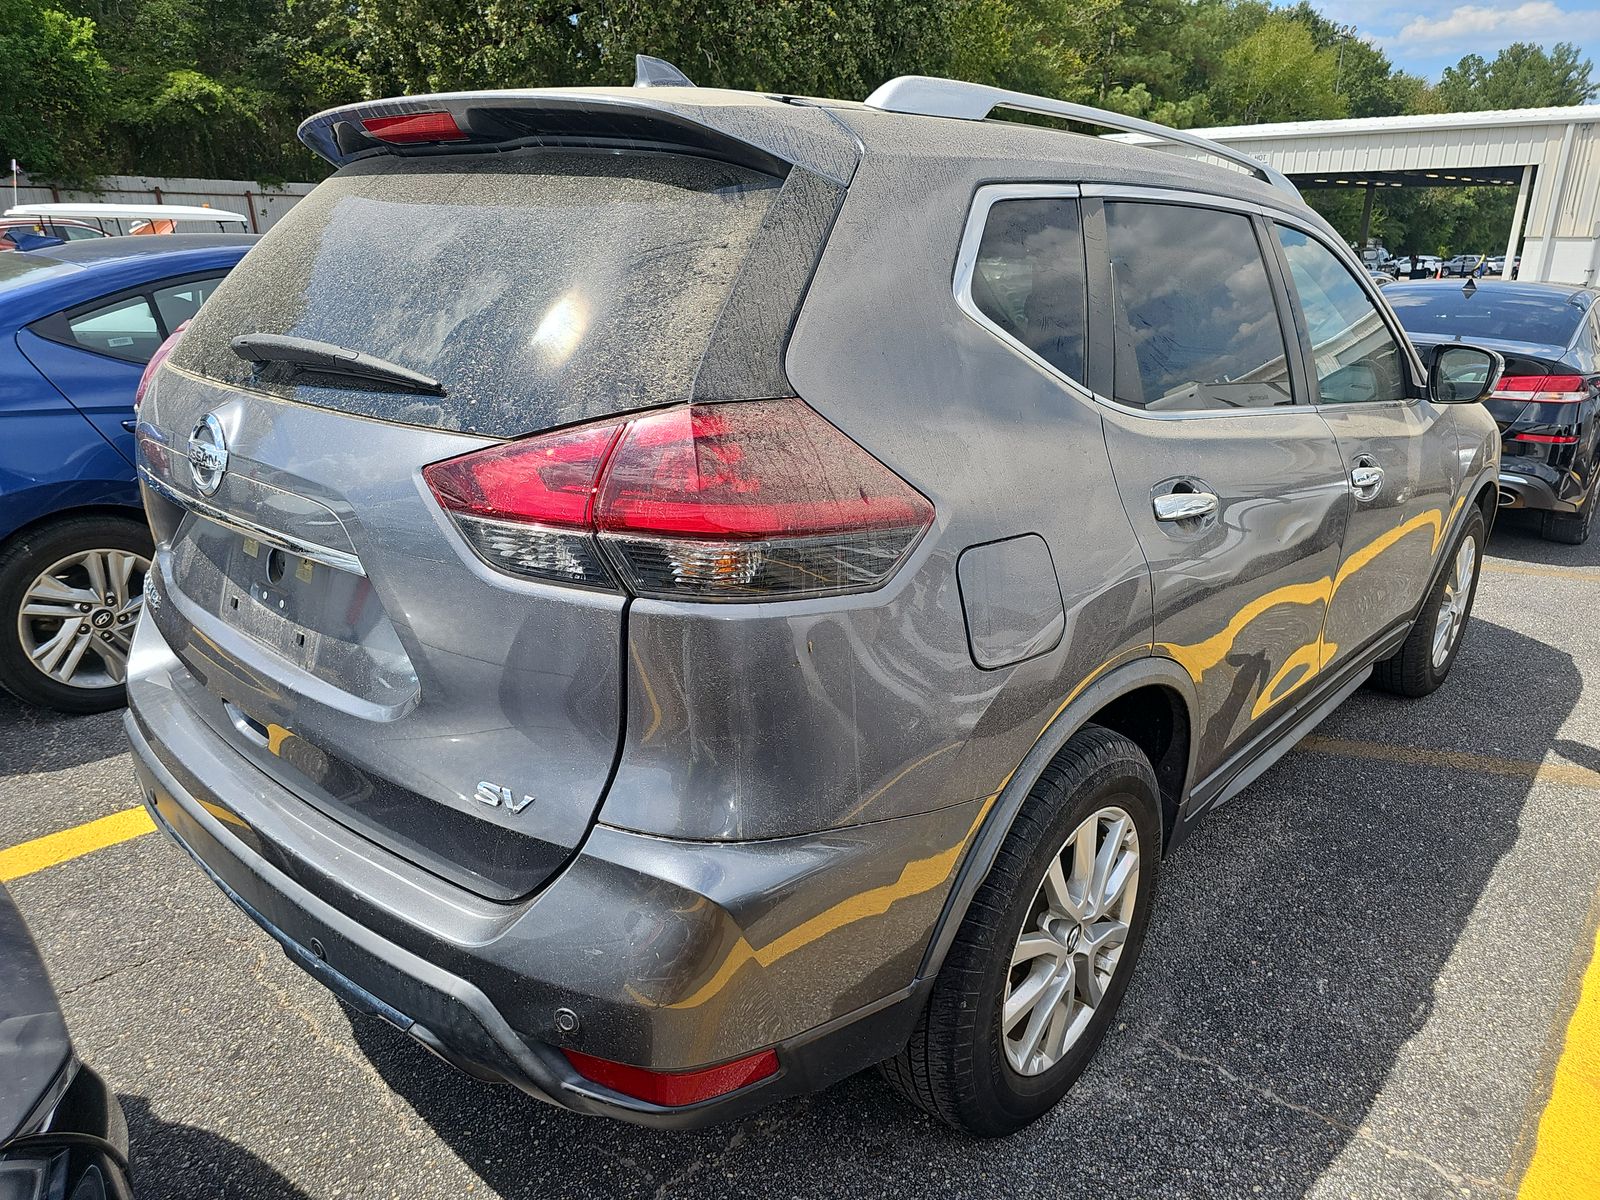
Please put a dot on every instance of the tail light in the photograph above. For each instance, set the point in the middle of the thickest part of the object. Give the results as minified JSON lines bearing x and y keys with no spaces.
{"x":743,"y":501}
{"x":413,"y":128}
{"x":1541,"y":389}
{"x":675,"y":1088}
{"x":156,"y":359}
{"x":1547,"y":439}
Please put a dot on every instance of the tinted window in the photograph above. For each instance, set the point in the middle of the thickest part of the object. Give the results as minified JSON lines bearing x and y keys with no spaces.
{"x":1195,"y":322}
{"x":180,"y":301}
{"x":124,"y":329}
{"x":539,"y":286}
{"x":1355,"y":356}
{"x":1029,"y":278}
{"x":77,"y":233}
{"x":1492,"y":310}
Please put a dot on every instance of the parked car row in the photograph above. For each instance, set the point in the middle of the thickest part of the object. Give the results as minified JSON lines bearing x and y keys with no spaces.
{"x":622,"y":639}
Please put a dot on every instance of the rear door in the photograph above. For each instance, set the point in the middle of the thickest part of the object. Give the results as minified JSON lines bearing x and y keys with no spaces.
{"x":1235,"y":490}
{"x":1399,"y":448}
{"x":94,"y":353}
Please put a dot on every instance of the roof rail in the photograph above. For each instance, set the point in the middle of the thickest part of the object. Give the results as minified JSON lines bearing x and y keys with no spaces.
{"x":927,"y":96}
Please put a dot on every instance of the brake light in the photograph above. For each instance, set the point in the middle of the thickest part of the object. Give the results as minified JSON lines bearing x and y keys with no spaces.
{"x":1548,"y":439}
{"x":742,"y":501}
{"x":156,"y":359}
{"x":412,"y":128}
{"x":675,"y":1088}
{"x":1541,"y":389}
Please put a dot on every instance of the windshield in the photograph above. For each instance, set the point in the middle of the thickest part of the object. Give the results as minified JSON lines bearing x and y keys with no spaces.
{"x":1508,"y":314}
{"x":539,"y":287}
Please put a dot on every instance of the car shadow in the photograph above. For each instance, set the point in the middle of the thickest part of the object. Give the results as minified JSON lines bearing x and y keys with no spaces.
{"x":31,"y":737}
{"x":1517,"y":536}
{"x":1295,"y":949}
{"x":172,"y":1161}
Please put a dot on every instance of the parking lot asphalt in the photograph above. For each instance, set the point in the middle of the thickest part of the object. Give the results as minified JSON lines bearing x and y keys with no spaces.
{"x":1358,"y":982}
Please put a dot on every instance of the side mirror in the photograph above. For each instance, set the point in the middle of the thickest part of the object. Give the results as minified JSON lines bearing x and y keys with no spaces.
{"x":1464,"y":374}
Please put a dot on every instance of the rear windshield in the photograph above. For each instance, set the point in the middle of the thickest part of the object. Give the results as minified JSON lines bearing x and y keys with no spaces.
{"x":539,"y":287}
{"x":1446,"y":310}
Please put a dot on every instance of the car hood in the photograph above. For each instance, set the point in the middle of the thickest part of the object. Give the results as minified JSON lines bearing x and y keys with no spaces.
{"x":34,"y":1047}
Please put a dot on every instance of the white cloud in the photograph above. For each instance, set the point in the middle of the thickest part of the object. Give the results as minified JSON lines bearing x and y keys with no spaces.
{"x":1527,"y":20}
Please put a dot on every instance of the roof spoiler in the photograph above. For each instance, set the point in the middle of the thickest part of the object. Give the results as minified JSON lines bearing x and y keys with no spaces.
{"x":925,"y":95}
{"x":659,"y":113}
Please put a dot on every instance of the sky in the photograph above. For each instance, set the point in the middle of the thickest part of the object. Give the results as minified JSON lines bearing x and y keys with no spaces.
{"x":1425,"y":36}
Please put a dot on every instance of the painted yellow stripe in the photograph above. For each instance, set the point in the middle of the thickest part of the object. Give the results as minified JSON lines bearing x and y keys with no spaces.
{"x":1580,"y":574}
{"x":1489,"y":764}
{"x":73,"y":843}
{"x":1566,"y":1156}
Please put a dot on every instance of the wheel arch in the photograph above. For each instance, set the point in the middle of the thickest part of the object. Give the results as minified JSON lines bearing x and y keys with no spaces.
{"x":124,"y":512}
{"x":1150,"y":700}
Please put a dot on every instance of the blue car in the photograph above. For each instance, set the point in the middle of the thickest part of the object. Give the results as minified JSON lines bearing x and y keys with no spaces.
{"x":78,"y":324}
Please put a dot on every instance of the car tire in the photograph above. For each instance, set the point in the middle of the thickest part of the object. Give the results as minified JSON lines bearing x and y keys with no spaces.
{"x":961,"y":1064}
{"x":1572,"y":529}
{"x":1424,"y":660}
{"x":69,"y":552}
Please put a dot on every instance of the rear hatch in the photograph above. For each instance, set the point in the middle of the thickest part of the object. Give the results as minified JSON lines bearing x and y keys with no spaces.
{"x":338,"y":630}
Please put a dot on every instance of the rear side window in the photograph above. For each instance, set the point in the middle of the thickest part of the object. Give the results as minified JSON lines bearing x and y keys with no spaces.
{"x":1195,"y":324}
{"x":179,"y":302}
{"x":1356,"y":357}
{"x":124,"y":329}
{"x":540,"y":287}
{"x":1029,"y":278}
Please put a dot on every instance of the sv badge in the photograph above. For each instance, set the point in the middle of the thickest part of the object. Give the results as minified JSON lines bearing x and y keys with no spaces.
{"x":496,"y":796}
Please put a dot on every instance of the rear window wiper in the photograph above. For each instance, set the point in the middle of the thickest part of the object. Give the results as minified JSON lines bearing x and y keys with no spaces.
{"x":324,"y":358}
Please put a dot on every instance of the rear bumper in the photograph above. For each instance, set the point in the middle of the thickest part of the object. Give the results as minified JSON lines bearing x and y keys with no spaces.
{"x":673,"y":955}
{"x":1530,"y":484}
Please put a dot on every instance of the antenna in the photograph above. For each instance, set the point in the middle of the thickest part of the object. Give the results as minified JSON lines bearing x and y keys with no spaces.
{"x":657,"y":72}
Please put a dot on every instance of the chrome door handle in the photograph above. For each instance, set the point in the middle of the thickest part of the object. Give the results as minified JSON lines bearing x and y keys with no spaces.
{"x":1185,"y":506}
{"x":1366,"y":480}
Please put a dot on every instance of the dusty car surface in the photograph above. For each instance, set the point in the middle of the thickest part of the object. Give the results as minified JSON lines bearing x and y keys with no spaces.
{"x":756,"y":590}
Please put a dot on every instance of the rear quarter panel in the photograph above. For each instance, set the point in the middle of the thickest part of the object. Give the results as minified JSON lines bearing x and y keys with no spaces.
{"x":760,"y":721}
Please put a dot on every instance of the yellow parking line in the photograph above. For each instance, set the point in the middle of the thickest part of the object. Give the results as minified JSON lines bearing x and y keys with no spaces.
{"x":1566,"y":1154}
{"x":1519,"y":768}
{"x":1581,"y":574}
{"x":73,"y":843}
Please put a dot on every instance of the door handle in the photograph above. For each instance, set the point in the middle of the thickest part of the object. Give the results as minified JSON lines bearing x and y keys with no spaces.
{"x":131,"y":424}
{"x":1184,"y":506}
{"x":1366,"y":479}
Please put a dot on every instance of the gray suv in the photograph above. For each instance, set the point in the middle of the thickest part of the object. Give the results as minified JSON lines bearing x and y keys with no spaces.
{"x":671,"y":597}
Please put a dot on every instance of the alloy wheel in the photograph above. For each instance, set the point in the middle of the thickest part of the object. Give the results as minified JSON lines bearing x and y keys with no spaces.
{"x":78,"y":615}
{"x":1453,"y":604}
{"x":1071,"y":941}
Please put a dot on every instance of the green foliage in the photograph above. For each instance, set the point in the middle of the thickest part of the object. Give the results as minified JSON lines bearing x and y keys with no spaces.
{"x":1520,"y":76}
{"x":218,"y":87}
{"x":52,"y":91}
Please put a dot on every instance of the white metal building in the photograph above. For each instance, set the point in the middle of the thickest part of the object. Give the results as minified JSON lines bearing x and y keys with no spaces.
{"x":1551,"y":155}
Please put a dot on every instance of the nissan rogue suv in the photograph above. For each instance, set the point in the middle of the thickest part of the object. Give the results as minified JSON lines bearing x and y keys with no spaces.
{"x":755,"y":586}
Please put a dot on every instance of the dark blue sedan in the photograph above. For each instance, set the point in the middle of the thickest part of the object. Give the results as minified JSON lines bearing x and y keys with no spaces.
{"x":78,"y":323}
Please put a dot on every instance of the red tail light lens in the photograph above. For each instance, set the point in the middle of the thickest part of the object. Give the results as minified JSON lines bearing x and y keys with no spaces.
{"x":675,"y":1088}
{"x":747,"y":501}
{"x":412,"y":128}
{"x":156,"y":359}
{"x":1542,"y":389}
{"x":1548,"y":439}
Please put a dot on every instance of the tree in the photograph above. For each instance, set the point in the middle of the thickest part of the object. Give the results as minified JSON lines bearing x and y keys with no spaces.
{"x":53,"y":91}
{"x":1278,"y":74}
{"x":1522,"y":75}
